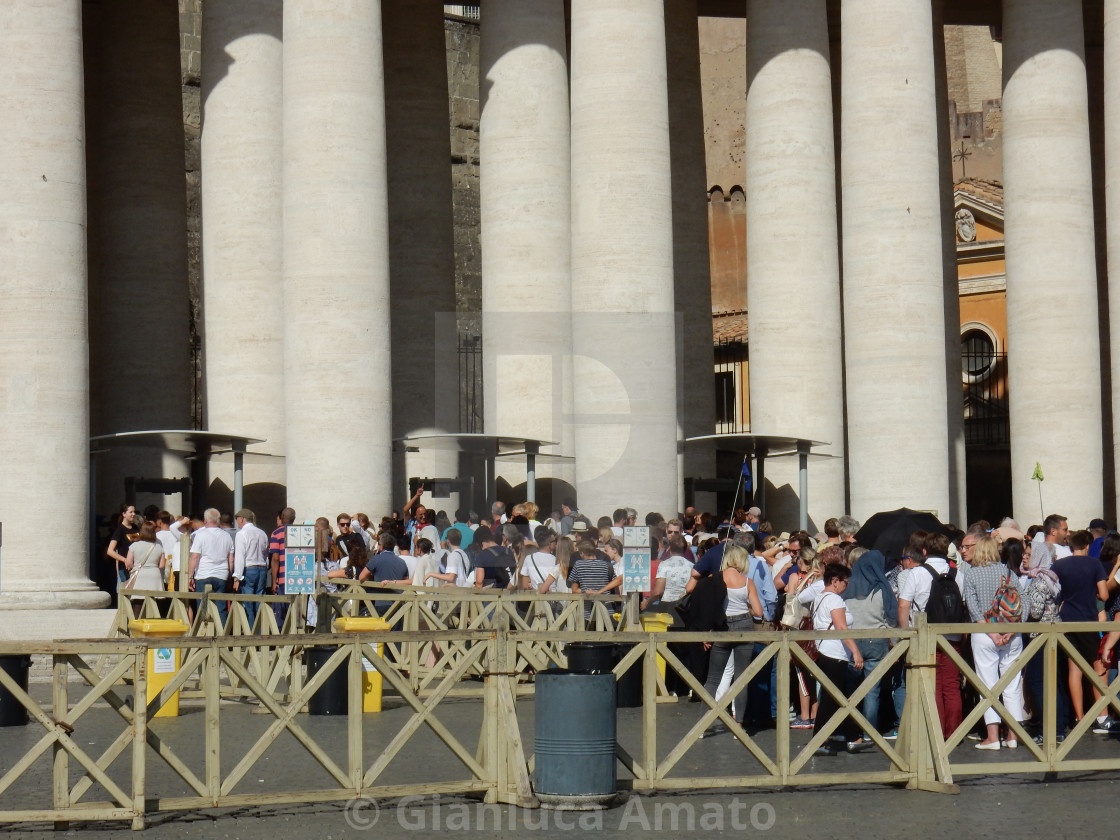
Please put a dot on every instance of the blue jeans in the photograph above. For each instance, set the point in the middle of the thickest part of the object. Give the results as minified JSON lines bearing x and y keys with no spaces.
{"x":872,"y":651}
{"x":217,"y":585}
{"x":256,"y":577}
{"x":1035,"y":674}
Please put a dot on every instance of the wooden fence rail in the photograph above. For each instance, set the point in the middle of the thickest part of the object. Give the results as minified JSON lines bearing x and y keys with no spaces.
{"x":127,"y":763}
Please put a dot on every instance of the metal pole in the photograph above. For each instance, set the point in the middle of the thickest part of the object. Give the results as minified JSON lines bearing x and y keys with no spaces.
{"x":760,"y":475}
{"x":531,"y":449}
{"x":238,"y":476}
{"x":803,"y":484}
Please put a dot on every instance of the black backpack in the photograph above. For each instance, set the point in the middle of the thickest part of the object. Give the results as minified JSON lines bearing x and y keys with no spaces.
{"x":945,"y":604}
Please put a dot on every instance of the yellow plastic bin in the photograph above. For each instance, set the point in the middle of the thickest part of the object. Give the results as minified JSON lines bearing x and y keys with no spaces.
{"x":371,"y":677}
{"x":163,"y":662}
{"x":657,"y":623}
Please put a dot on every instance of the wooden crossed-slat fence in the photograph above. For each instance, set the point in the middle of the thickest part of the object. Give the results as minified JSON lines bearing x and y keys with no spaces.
{"x":488,"y":753}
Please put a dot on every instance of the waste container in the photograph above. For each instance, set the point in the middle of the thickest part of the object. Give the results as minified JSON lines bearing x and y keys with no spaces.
{"x":371,"y":677}
{"x":600,"y":658}
{"x":163,"y":662}
{"x":330,"y":698}
{"x":657,"y":623}
{"x":590,"y":657}
{"x":574,"y":739}
{"x":13,"y":712}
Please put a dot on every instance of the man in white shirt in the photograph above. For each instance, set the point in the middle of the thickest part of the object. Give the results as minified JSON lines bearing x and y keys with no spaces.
{"x":250,"y":560}
{"x":211,"y":559}
{"x":169,"y":536}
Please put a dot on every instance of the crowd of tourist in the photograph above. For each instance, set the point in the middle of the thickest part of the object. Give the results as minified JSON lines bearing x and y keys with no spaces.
{"x":735,"y":574}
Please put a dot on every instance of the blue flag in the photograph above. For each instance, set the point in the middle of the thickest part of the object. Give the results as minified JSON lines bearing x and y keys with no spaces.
{"x":748,"y":482}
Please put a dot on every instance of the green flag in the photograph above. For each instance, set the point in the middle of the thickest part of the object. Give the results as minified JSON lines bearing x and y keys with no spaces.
{"x":1037,"y":474}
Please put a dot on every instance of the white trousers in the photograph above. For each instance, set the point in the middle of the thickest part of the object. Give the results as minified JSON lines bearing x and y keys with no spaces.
{"x":991,"y":662}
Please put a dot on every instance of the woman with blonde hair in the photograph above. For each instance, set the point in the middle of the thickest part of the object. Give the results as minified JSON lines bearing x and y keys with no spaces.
{"x":995,"y":652}
{"x":743,"y":607}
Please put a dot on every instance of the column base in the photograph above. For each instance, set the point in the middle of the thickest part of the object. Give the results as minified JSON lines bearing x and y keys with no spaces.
{"x":56,"y":624}
{"x":67,"y":599}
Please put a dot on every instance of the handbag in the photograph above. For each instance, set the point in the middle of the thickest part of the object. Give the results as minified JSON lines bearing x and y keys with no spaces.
{"x":794,"y":610}
{"x":1007,"y":606}
{"x":809,"y":645}
{"x":123,"y":585}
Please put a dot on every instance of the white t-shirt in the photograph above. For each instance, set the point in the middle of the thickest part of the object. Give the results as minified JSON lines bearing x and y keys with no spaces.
{"x":917,"y":585}
{"x":214,"y":546}
{"x":822,"y":620}
{"x":675,"y":571}
{"x":456,"y":561}
{"x":169,"y":542}
{"x":537,"y":566}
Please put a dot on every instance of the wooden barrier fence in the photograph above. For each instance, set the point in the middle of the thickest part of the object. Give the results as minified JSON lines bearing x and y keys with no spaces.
{"x":209,"y":756}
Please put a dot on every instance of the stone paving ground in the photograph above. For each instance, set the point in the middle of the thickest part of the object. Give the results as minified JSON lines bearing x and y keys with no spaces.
{"x":985,"y":807}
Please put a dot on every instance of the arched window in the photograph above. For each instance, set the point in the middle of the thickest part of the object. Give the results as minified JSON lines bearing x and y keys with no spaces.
{"x":978,"y":354}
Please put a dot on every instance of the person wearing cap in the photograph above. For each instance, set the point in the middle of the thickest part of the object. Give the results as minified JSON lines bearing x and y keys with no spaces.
{"x":754,"y":515}
{"x":1098,"y":528}
{"x":250,"y":560}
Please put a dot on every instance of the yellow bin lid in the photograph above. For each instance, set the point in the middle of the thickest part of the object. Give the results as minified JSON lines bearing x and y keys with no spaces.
{"x":360,"y":624}
{"x":156,"y":627}
{"x":656,"y":622}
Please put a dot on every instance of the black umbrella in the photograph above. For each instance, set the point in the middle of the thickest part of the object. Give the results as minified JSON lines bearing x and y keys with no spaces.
{"x":890,"y":530}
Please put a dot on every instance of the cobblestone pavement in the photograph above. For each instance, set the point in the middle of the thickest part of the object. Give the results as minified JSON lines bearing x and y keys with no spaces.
{"x":985,"y":807}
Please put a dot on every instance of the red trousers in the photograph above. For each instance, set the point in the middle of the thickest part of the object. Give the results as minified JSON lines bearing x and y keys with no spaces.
{"x":948,"y":692}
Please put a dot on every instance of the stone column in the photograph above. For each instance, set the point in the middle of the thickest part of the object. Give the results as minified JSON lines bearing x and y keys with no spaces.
{"x":337,"y":367}
{"x":1112,"y":201}
{"x":691,"y":259}
{"x":954,"y":386}
{"x":242,"y":233}
{"x":140,"y":375}
{"x":44,"y":425}
{"x":526,"y":225}
{"x":894,"y":306}
{"x":421,"y":241}
{"x":796,"y":374}
{"x":624,"y":328}
{"x":1054,"y":378}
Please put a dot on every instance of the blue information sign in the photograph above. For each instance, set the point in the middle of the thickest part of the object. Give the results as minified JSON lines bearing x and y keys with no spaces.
{"x":299,"y":571}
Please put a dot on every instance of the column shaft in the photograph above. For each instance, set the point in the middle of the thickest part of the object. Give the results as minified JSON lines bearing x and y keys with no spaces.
{"x":691,"y":259}
{"x":894,"y":306}
{"x":44,"y":427}
{"x":1112,"y":202}
{"x":796,"y":375}
{"x":624,"y":328}
{"x":336,"y":260}
{"x":421,"y":240}
{"x":1054,"y":379}
{"x":526,"y":224}
{"x":242,"y":231}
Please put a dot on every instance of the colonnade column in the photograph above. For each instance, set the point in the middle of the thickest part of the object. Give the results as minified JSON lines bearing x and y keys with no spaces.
{"x":140,"y":366}
{"x":338,"y":401}
{"x":524,"y":138}
{"x":894,"y":307}
{"x":421,"y":241}
{"x":1112,"y":203}
{"x":242,"y":229}
{"x":1053,"y":355}
{"x":623,"y":324}
{"x":796,"y":374}
{"x":44,"y":447}
{"x":691,"y":258}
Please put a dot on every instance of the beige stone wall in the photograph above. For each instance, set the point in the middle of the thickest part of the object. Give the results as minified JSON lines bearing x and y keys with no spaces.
{"x":974,"y":66}
{"x":723,"y":80}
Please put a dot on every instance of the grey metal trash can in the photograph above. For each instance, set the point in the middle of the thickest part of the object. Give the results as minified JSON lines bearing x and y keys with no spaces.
{"x":13,"y":712}
{"x":575,"y":737}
